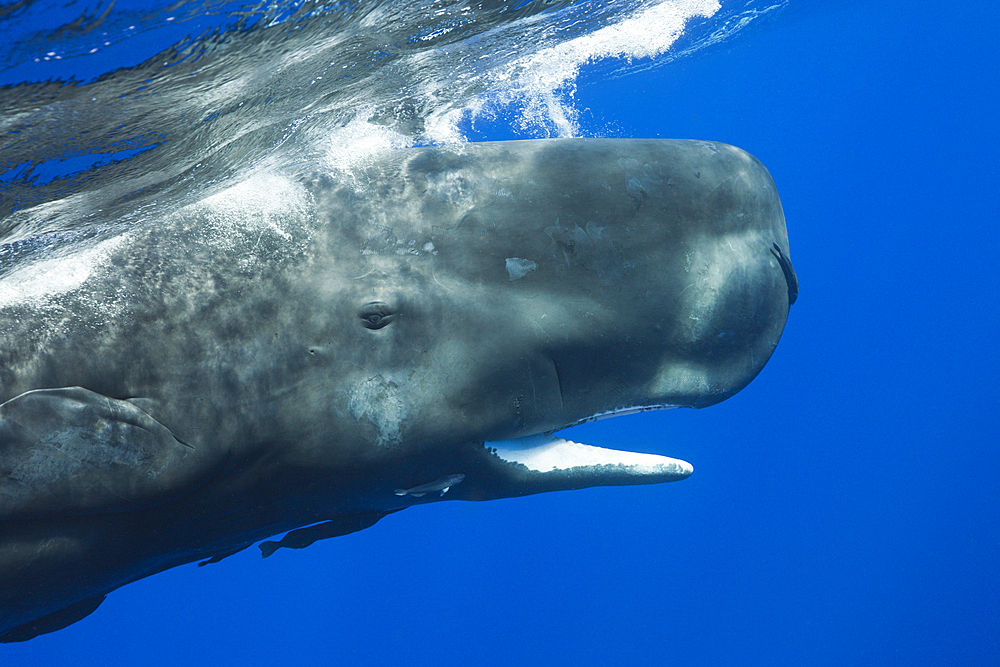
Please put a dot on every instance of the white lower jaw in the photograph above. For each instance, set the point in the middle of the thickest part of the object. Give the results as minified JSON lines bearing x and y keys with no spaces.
{"x":547,"y":453}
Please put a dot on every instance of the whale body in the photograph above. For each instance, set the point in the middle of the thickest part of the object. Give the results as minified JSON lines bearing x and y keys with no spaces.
{"x":312,"y":353}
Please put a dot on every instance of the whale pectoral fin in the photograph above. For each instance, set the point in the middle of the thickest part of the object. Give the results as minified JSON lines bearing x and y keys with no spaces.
{"x":218,"y":557}
{"x":72,"y":451}
{"x":57,"y":620}
{"x":342,"y":525}
{"x":543,"y":463}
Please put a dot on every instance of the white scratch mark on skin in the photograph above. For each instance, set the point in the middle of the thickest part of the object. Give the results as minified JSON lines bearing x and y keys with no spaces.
{"x":434,"y":276}
{"x":721,"y":183}
{"x":259,"y":237}
{"x":540,"y":328}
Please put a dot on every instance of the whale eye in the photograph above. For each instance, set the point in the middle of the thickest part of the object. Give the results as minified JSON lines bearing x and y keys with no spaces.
{"x":375,"y":315}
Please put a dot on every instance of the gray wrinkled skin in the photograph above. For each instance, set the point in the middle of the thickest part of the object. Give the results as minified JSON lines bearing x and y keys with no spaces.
{"x":261,"y":362}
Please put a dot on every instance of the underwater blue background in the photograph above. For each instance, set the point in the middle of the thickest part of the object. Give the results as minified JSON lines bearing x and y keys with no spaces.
{"x":845,"y":506}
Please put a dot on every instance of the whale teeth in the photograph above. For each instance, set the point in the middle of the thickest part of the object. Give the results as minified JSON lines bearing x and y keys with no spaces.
{"x":547,"y":453}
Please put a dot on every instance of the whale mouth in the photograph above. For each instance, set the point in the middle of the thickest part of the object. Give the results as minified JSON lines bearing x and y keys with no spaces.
{"x":621,"y":412}
{"x":546,"y":454}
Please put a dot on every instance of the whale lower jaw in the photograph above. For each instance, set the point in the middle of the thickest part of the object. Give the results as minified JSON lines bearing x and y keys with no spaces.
{"x":546,"y":453}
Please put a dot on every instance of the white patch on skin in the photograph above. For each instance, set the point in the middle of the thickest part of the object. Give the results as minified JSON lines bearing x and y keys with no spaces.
{"x":37,"y":283}
{"x":454,"y":187}
{"x":518,"y":268}
{"x":264,"y":203}
{"x":641,"y":179}
{"x":545,"y":453}
{"x":678,"y":378}
{"x":379,"y":402}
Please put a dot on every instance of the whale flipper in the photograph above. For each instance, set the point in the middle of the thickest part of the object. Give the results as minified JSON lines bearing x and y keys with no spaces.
{"x":217,"y":558}
{"x":71,"y":451}
{"x":342,"y":525}
{"x":57,"y":620}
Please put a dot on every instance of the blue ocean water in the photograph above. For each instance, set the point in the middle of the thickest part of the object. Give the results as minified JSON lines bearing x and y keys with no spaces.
{"x":845,"y":507}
